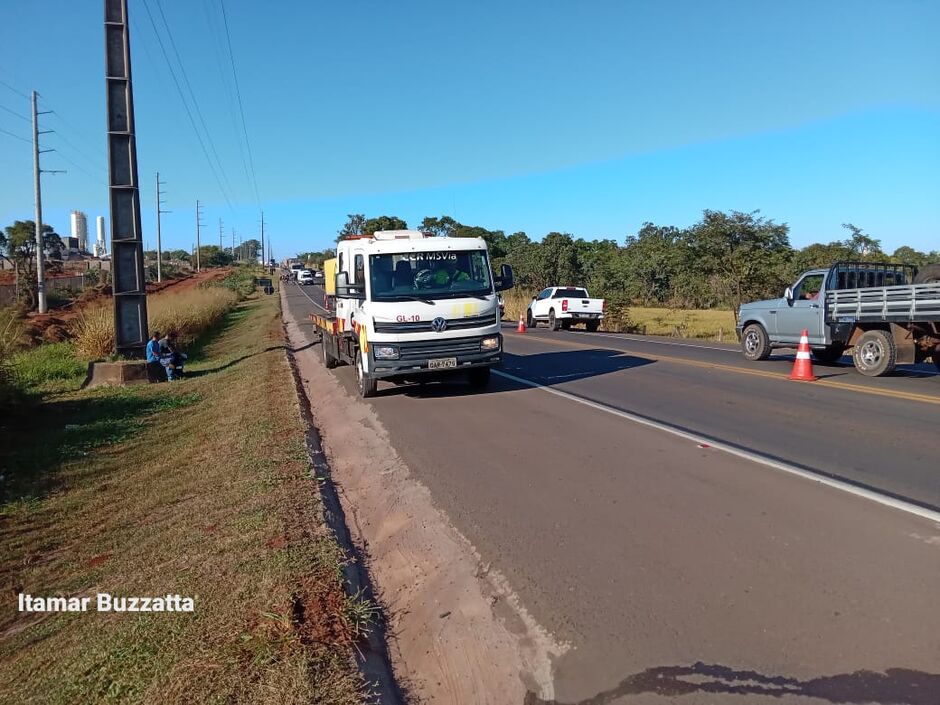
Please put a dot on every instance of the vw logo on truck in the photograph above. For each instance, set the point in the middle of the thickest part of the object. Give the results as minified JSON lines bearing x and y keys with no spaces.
{"x":439,"y":325}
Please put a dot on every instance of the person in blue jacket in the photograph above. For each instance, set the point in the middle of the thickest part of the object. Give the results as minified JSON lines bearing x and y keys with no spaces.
{"x":156,"y":372}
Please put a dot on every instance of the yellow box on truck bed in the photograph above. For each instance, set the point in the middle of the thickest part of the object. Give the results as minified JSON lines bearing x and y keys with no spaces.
{"x":329,"y":276}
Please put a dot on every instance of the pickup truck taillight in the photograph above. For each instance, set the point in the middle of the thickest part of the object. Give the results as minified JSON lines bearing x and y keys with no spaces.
{"x":603,"y":304}
{"x":564,"y":304}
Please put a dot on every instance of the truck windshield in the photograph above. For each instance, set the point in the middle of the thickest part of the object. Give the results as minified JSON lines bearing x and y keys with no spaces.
{"x":430,"y":275}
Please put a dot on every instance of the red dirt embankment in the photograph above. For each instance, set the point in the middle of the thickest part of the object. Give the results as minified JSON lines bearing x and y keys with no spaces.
{"x":54,"y":326}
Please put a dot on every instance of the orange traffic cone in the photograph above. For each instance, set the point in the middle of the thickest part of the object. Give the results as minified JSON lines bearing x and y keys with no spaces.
{"x":803,"y":366}
{"x":521,"y":328}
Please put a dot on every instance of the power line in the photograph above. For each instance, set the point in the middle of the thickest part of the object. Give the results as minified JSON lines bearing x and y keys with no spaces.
{"x":82,"y":169}
{"x":16,"y":137}
{"x":18,"y":92}
{"x":192,"y":95}
{"x":13,"y":112}
{"x":238,"y":95}
{"x":189,"y":113}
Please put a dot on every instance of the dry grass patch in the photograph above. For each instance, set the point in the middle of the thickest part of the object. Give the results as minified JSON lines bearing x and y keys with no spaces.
{"x":200,"y":488}
{"x":188,"y":313}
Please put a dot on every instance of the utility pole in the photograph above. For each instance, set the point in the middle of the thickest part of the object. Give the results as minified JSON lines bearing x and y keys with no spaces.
{"x":233,"y":243}
{"x":263,"y":261}
{"x":160,"y":202}
{"x":198,"y":227}
{"x":37,"y":172}
{"x":221,"y":247}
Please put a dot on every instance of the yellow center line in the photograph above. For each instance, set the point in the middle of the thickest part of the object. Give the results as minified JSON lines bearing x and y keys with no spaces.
{"x":895,"y":394}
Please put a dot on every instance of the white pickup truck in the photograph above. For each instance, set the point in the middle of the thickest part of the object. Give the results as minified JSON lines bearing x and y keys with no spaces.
{"x":560,"y":306}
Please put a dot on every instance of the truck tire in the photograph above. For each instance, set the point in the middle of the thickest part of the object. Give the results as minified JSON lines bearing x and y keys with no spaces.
{"x":479,"y":377}
{"x":929,"y":274}
{"x":329,"y":362}
{"x":592,"y":326}
{"x":875,"y":354}
{"x":366,"y":382}
{"x":529,"y":321}
{"x":936,"y":357}
{"x":755,"y":344}
{"x":553,"y":323}
{"x":829,"y":355}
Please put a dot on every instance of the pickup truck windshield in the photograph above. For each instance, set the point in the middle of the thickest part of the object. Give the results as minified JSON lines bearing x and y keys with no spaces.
{"x":570,"y":293}
{"x":430,"y":275}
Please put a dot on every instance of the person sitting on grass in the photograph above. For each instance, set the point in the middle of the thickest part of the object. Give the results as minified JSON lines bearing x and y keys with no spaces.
{"x":155,"y":369}
{"x":171,"y":357}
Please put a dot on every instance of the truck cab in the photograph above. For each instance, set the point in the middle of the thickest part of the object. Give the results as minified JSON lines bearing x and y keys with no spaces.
{"x":408,"y":306}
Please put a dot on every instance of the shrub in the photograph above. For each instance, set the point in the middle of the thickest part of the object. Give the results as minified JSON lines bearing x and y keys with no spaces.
{"x":11,"y":338}
{"x":241,"y":281}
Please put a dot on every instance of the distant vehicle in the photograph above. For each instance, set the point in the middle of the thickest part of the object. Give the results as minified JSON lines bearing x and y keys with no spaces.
{"x":881,"y":311}
{"x":296,"y":267}
{"x":561,"y":306}
{"x":304,"y":277}
{"x":318,"y":277}
{"x":502,"y":306}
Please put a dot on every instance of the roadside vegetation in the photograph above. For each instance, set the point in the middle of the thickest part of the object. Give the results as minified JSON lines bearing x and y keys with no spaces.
{"x":200,"y":488}
{"x":719,"y":262}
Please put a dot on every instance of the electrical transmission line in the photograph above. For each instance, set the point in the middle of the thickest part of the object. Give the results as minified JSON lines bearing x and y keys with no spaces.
{"x":189,"y":113}
{"x":238,"y":95}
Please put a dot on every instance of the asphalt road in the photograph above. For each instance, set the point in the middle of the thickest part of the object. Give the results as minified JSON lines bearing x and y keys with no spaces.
{"x":672,"y":568}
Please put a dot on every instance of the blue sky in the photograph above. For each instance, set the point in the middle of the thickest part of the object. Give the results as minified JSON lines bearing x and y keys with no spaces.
{"x":585,"y":117}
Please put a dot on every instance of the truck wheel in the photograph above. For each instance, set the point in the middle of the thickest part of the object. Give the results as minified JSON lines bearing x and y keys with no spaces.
{"x":553,"y":322}
{"x":479,"y":377}
{"x":367,"y":383}
{"x":754,"y":342}
{"x":829,"y":355}
{"x":329,"y":362}
{"x":928,"y":275}
{"x":875,"y":354}
{"x":936,"y":357}
{"x":529,"y":321}
{"x":592,"y":326}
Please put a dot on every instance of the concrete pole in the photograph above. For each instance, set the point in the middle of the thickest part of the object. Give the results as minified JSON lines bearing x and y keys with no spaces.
{"x":40,"y":278}
{"x":198,"y":225}
{"x":159,"y":248}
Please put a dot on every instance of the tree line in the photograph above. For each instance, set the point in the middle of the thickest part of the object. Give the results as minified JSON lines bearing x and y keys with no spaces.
{"x":720,"y":261}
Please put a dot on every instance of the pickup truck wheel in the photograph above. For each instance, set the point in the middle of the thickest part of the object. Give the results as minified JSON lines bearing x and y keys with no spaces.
{"x":329,"y":362}
{"x":928,"y":275}
{"x":829,"y":355}
{"x":592,"y":326}
{"x":479,"y":377}
{"x":875,"y":354}
{"x":754,"y":342}
{"x":553,"y":322}
{"x":529,"y":321}
{"x":367,"y":383}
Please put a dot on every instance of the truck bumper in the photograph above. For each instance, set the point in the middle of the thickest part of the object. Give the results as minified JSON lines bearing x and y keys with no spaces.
{"x":415,"y":356}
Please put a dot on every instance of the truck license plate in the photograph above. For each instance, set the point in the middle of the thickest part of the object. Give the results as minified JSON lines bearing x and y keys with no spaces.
{"x":442,"y":363}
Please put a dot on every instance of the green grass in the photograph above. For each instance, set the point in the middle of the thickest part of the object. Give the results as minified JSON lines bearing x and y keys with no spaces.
{"x":43,"y":367}
{"x":200,"y":488}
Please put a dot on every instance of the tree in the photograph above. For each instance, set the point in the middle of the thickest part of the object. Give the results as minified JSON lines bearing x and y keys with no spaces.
{"x":354,"y":226}
{"x":861,"y":245}
{"x":214,"y":256}
{"x":742,"y":255}
{"x":315,"y":259}
{"x":18,"y":247}
{"x":249,"y":250}
{"x":442,"y":227}
{"x":383,"y":222}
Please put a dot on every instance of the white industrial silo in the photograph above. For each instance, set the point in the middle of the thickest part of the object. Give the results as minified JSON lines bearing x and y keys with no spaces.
{"x":100,"y":248}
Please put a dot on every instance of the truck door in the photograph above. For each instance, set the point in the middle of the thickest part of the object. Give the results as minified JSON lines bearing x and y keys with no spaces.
{"x":804,"y":311}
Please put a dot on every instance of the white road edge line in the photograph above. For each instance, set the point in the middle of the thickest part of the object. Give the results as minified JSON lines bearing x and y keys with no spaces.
{"x":638,"y":339}
{"x":884,"y":500}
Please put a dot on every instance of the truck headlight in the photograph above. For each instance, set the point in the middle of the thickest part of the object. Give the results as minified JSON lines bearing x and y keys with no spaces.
{"x":385,"y":352}
{"x":490,"y":343}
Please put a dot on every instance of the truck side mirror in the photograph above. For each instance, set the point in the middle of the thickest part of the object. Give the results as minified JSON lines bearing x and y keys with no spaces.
{"x":344,"y":290}
{"x":788,"y":295}
{"x":505,"y":279}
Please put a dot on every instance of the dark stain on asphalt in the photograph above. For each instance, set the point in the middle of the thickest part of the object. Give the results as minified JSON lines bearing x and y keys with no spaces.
{"x":898,"y":686}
